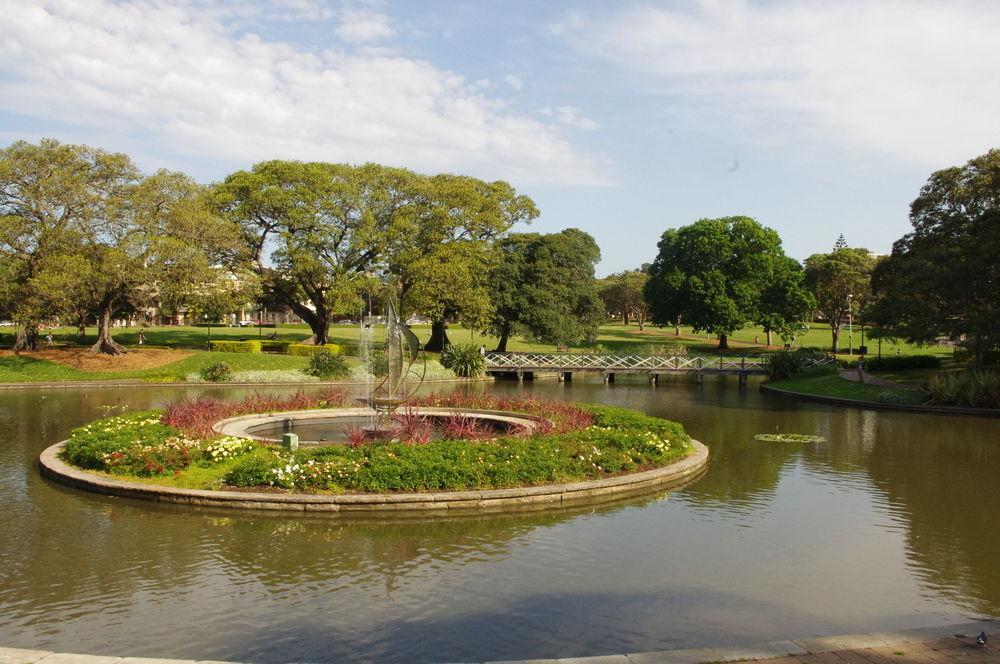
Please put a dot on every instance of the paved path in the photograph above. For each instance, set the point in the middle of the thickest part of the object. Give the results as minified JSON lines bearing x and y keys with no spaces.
{"x":930,"y":645}
{"x":862,"y":376}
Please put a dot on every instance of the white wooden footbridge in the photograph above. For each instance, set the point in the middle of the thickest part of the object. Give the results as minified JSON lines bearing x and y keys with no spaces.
{"x":526,"y":365}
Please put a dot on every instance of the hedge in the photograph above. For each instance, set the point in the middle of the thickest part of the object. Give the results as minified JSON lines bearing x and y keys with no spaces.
{"x":307,"y":350}
{"x":250,"y":346}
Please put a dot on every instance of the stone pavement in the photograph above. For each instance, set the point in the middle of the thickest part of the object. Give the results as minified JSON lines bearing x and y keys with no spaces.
{"x":930,"y":645}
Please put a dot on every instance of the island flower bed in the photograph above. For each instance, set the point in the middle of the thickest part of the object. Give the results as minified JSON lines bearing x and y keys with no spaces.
{"x":175,"y":447}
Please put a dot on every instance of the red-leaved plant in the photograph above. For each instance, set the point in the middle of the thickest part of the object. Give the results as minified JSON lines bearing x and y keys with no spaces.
{"x":196,"y":417}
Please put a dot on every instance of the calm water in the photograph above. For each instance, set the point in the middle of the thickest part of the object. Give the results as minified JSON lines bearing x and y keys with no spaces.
{"x":893,"y":522}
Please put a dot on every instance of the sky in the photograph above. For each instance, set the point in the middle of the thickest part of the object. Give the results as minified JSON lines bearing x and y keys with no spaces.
{"x":623,"y":119}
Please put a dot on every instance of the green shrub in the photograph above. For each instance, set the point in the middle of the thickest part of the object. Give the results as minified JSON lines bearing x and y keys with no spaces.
{"x":255,"y":470}
{"x":465,"y":360}
{"x":306,"y":350}
{"x":902,"y":397}
{"x":977,"y":388}
{"x":378,"y":362}
{"x":90,"y":445}
{"x":902,"y":362}
{"x":327,"y":365}
{"x":249,"y":346}
{"x":220,"y":372}
{"x":787,"y":363}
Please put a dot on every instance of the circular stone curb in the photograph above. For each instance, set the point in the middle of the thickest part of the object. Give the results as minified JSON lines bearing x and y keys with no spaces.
{"x":241,"y":426}
{"x":417,"y":504}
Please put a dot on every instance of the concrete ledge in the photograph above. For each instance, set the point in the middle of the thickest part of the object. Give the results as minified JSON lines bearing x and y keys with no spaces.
{"x":874,"y":405}
{"x":805,"y":648}
{"x":399,"y":504}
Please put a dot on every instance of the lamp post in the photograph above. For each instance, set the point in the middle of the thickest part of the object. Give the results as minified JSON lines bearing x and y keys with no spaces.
{"x":850,"y":325}
{"x":205,"y":316}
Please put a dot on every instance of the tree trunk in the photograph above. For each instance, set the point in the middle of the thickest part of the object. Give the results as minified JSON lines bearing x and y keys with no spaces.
{"x":26,"y":338}
{"x":318,"y":322}
{"x":105,"y":344}
{"x":81,"y":331}
{"x":625,"y":317}
{"x":642,"y":322}
{"x":835,"y":331}
{"x":502,"y":344}
{"x":677,"y":327}
{"x":723,"y":342}
{"x":439,"y":337}
{"x":768,"y":333}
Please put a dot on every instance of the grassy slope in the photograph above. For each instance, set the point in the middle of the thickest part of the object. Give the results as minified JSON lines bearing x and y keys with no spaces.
{"x":831,"y":386}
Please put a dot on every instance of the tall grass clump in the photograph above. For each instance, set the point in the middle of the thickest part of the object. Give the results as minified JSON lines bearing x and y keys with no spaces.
{"x":465,"y":360}
{"x":788,"y":363}
{"x":976,"y":388}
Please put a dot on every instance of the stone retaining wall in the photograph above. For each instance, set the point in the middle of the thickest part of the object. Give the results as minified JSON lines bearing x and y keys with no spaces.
{"x":453,"y":502}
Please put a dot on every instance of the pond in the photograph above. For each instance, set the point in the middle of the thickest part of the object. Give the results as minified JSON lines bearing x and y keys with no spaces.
{"x":892,"y":522}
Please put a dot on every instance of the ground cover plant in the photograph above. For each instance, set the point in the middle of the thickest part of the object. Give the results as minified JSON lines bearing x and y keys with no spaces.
{"x":575,"y":442}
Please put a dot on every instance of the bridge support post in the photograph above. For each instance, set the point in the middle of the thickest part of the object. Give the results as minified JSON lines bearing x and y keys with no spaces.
{"x":654,"y":379}
{"x":565,"y":376}
{"x":699,"y":377}
{"x":520,"y":376}
{"x":743,"y":380}
{"x":609,"y":377}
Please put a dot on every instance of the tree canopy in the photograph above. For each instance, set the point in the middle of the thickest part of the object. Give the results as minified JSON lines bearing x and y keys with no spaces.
{"x":943,"y":278}
{"x":623,"y":294}
{"x":321,"y":234}
{"x":832,"y":277}
{"x":544,"y":288}
{"x":712,"y":273}
{"x":83,"y":233}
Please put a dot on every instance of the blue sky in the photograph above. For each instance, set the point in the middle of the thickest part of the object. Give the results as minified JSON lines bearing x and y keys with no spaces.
{"x":622,"y":119}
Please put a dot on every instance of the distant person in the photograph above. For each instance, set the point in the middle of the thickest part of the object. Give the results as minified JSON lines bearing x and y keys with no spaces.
{"x":756,"y":340}
{"x":142,"y":337}
{"x":273,"y":336}
{"x":48,"y":338}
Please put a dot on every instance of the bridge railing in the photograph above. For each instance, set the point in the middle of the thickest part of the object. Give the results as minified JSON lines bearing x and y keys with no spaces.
{"x":610,"y":363}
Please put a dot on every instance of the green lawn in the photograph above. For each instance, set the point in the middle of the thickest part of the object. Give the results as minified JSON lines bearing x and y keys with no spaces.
{"x":19,"y":369}
{"x":615,"y":338}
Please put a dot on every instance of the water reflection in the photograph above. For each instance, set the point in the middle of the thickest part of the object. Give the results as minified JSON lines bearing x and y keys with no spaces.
{"x":891,"y":522}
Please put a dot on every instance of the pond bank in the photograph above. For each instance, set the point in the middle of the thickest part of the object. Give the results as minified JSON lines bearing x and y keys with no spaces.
{"x":839,"y":391}
{"x":927,"y":644}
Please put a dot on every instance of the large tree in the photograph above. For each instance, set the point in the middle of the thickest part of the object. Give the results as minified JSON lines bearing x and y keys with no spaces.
{"x":943,"y":278}
{"x":322,"y":234}
{"x":712,"y":273}
{"x":840,"y":281}
{"x":623,"y":293}
{"x":442,"y":251}
{"x":52,"y":198}
{"x":785,"y":302}
{"x":544,"y":288}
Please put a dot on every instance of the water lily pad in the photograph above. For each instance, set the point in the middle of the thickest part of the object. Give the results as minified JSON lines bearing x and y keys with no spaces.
{"x":788,"y":438}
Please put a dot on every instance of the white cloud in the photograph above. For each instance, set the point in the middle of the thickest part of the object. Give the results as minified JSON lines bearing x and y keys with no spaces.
{"x":514,"y":81}
{"x":358,"y":26}
{"x":190,"y":84}
{"x":911,"y":79}
{"x":570,"y":116}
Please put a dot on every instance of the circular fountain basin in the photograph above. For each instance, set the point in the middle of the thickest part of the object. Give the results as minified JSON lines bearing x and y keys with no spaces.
{"x":330,"y":426}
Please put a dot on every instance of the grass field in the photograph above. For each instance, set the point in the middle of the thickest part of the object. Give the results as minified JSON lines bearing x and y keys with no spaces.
{"x":617,"y":338}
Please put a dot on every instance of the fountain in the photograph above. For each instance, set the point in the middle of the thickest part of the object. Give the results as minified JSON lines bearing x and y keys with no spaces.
{"x":391,"y":376}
